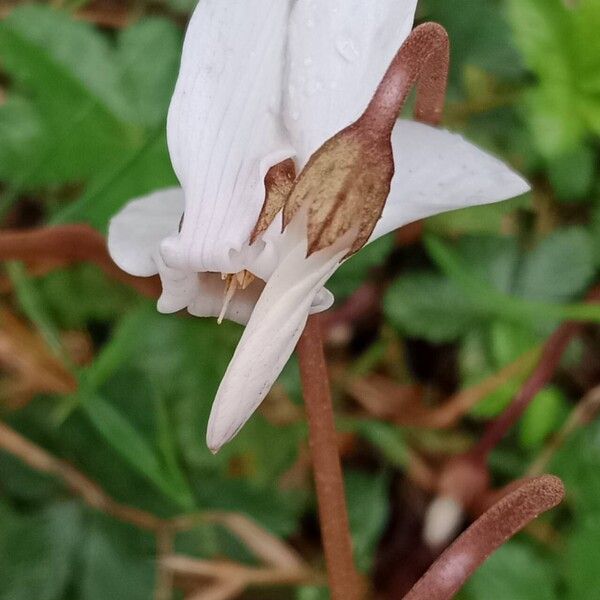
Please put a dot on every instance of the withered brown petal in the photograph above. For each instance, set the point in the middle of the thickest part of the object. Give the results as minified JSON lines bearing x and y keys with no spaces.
{"x":345,"y":186}
{"x":278,"y":184}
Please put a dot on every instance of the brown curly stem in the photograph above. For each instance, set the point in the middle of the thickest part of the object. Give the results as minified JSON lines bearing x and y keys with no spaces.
{"x":333,"y":516}
{"x":495,"y":527}
{"x":66,"y":245}
{"x":423,"y":60}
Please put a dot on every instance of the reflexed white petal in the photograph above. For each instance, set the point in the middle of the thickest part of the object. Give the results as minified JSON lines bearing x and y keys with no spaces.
{"x":438,"y":171}
{"x":135,"y":233}
{"x":322,"y":301}
{"x":269,"y":339}
{"x":224,"y":126}
{"x":338,"y":53}
{"x":179,"y":288}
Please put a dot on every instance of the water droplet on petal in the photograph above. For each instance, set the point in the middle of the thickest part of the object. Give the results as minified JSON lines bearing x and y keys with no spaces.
{"x":347,"y":49}
{"x":313,"y":86}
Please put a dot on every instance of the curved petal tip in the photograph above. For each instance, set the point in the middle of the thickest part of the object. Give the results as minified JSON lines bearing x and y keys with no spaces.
{"x":293,"y":291}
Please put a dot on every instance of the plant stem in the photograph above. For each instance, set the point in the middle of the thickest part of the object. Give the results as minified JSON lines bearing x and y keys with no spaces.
{"x":333,"y":515}
{"x":542,"y":375}
{"x":549,"y":362}
{"x":499,"y":524}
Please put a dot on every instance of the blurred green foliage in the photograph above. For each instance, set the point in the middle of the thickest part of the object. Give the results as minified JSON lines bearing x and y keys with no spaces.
{"x":82,"y":132}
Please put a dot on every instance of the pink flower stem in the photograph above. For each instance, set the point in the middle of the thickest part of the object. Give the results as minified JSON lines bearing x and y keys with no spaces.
{"x":333,"y":516}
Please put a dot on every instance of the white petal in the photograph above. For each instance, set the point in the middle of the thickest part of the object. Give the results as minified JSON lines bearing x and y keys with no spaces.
{"x":338,"y":53}
{"x":135,"y":233}
{"x":224,"y":126}
{"x":269,"y":339}
{"x":438,"y":171}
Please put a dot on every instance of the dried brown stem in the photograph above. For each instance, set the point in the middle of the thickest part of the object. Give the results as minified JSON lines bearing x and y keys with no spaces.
{"x":66,"y":245}
{"x":37,"y":458}
{"x":549,"y":362}
{"x":387,"y":400}
{"x":163,"y":590}
{"x":246,"y":576}
{"x":505,"y":519}
{"x":36,"y":369}
{"x":423,"y":61}
{"x":335,"y":531}
{"x":284,"y":565}
{"x":270,"y":549}
{"x":220,"y":590}
{"x":113,"y":14}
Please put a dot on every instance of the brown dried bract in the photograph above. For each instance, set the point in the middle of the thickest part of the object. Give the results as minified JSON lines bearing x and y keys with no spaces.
{"x":278,"y":184}
{"x":345,"y":185}
{"x":347,"y":181}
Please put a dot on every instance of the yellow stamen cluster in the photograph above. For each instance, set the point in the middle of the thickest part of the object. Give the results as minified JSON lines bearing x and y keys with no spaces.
{"x":233,"y":282}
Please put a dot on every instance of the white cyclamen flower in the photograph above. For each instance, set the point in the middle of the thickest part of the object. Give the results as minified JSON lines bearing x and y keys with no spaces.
{"x":263,"y":81}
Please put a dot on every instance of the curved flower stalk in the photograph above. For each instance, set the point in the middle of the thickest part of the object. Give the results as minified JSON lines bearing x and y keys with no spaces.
{"x":263,"y":86}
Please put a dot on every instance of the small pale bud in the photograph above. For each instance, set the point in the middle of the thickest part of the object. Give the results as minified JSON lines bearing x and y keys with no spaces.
{"x":442,"y":521}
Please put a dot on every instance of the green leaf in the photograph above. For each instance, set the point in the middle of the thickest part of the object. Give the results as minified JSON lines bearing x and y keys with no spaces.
{"x":80,"y":295}
{"x":312,"y":593}
{"x":37,"y":552}
{"x":543,"y":416}
{"x":121,"y":347}
{"x":560,"y":267}
{"x":595,"y":234}
{"x":492,"y":258}
{"x":560,"y":44}
{"x":149,"y":76}
{"x":124,"y":438}
{"x":279,"y":511}
{"x":480,"y":35}
{"x":429,"y":306}
{"x":142,"y":170}
{"x":491,"y":301}
{"x":572,"y":175}
{"x":582,"y":559}
{"x":65,"y":67}
{"x":514,"y":572}
{"x":489,"y":276}
{"x":368,"y":511}
{"x":21,"y":128}
{"x":183,"y":6}
{"x":387,"y":438}
{"x":95,"y":111}
{"x":485,"y":351}
{"x":118,"y":562}
{"x":577,"y":463}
